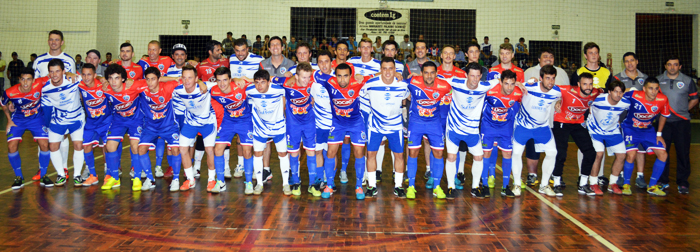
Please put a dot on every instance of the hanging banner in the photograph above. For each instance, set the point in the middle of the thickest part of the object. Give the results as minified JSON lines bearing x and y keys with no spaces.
{"x":383,"y":21}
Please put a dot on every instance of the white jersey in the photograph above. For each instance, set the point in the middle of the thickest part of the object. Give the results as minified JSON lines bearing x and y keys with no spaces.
{"x":465,"y":110}
{"x":245,"y":68}
{"x":178,"y":106}
{"x":322,"y":106}
{"x":536,"y":106}
{"x":399,"y":66}
{"x":293,"y":69}
{"x":268,"y":109}
{"x":198,"y":110}
{"x":605,"y":118}
{"x":385,"y":103}
{"x":65,"y":100}
{"x":41,"y":64}
{"x":365,"y":68}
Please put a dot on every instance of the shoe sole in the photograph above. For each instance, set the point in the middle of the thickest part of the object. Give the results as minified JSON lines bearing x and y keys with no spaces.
{"x":17,"y":187}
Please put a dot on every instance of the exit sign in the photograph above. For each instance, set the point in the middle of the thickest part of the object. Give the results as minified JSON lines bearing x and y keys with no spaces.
{"x":669,"y":4}
{"x":185,"y":22}
{"x":555,"y":27}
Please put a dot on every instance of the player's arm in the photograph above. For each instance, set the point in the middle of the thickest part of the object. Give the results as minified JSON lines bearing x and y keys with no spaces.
{"x":6,"y":111}
{"x":46,"y":109}
{"x":662,"y":122}
{"x":557,"y":106}
{"x":166,"y":79}
{"x":693,"y":95}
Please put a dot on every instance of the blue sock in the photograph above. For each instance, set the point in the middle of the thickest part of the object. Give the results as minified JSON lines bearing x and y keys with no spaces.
{"x":411,"y":169}
{"x":294,"y":165}
{"x":345,"y":156}
{"x":160,"y":150}
{"x":44,"y":160}
{"x":113,"y":164}
{"x":656,"y":172}
{"x":90,"y":162}
{"x":507,"y":168}
{"x":457,"y":162}
{"x":16,"y":163}
{"x":437,"y":167}
{"x":248,"y":169}
{"x":169,"y":158}
{"x":628,"y":169}
{"x":485,"y":171}
{"x":145,"y":163}
{"x":177,"y":163}
{"x":119,"y":158}
{"x":329,"y":165}
{"x":319,"y":173}
{"x":136,"y":164}
{"x":359,"y":171}
{"x":311,"y":166}
{"x":492,"y":162}
{"x":325,"y":156}
{"x":219,"y":166}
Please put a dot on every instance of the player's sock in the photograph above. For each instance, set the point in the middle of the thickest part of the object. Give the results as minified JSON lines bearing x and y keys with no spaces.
{"x":628,"y":169}
{"x":198,"y":159}
{"x":311,"y":166}
{"x":177,"y":162}
{"x":160,"y":150}
{"x":136,"y":164}
{"x":329,"y":165}
{"x":437,"y":170}
{"x":492,"y":162}
{"x":507,"y":167}
{"x":211,"y":175}
{"x":294,"y":165}
{"x":227,"y":157}
{"x":656,"y":172}
{"x":372,"y":179}
{"x":325,"y":154}
{"x":345,"y":156}
{"x":189,"y":173}
{"x":380,"y":157}
{"x":462,"y":157}
{"x":241,"y":160}
{"x":557,"y":180}
{"x":258,"y":168}
{"x":169,"y":158}
{"x":113,"y":164}
{"x":44,"y":160}
{"x":583,"y":181}
{"x":548,"y":165}
{"x":145,"y":162}
{"x":219,"y":167}
{"x":359,"y":171}
{"x":248,"y":169}
{"x":477,"y":168}
{"x":411,"y":169}
{"x":119,"y":152}
{"x":57,"y":161}
{"x":398,"y":179}
{"x":593,"y":179}
{"x":78,"y":159}
{"x":16,"y":163}
{"x":450,"y":171}
{"x":65,"y":147}
{"x":284,"y":168}
{"x":485,"y":170}
{"x":640,"y":174}
{"x":613,"y":177}
{"x":90,"y":162}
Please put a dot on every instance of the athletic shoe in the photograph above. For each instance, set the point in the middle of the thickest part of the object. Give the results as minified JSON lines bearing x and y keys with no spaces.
{"x":314,"y":190}
{"x":627,"y":189}
{"x":159,"y":171}
{"x":37,"y":177}
{"x":120,"y":172}
{"x":620,"y":180}
{"x":210,"y":185}
{"x":198,"y":173}
{"x":188,"y":184}
{"x":85,"y":174}
{"x":219,"y":187}
{"x":411,"y":192}
{"x":405,"y":177}
{"x":46,"y":181}
{"x":459,"y":182}
{"x":477,"y":193}
{"x":258,"y":189}
{"x":78,"y":181}
{"x":437,"y":192}
{"x":547,"y":190}
{"x":286,"y":189}
{"x":640,"y":182}
{"x":296,"y":189}
{"x":531,"y":180}
{"x":586,"y":189}
{"x":344,"y":177}
{"x":450,"y":194}
{"x":110,"y":183}
{"x":427,"y":175}
{"x":168,"y":172}
{"x":379,"y":176}
{"x":371,"y":192}
{"x":485,"y":191}
{"x":558,"y":191}
{"x":429,"y":183}
{"x":248,"y":188}
{"x":656,"y":191}
{"x":359,"y":194}
{"x":615,"y":189}
{"x":398,"y":191}
{"x":267,"y":175}
{"x":175,"y":185}
{"x":492,"y":181}
{"x":18,"y":184}
{"x":663,"y":186}
{"x":136,"y":184}
{"x":517,"y":190}
{"x":603,"y":181}
{"x":237,"y":173}
{"x":327,"y":192}
{"x":683,"y":190}
{"x":596,"y":190}
{"x":147,"y":185}
{"x":132,"y":173}
{"x":507,"y":192}
{"x":60,"y":181}
{"x":92,"y":180}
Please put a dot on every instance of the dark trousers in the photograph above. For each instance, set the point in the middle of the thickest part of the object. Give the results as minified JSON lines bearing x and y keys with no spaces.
{"x":678,"y":133}
{"x":561,"y":132}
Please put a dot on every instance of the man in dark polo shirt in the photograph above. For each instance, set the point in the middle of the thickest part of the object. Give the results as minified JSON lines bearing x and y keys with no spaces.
{"x":682,"y":96}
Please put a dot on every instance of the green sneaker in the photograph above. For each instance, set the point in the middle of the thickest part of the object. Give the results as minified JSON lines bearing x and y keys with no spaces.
{"x":296,"y":189}
{"x":437,"y":192}
{"x":492,"y":181}
{"x":60,"y":181}
{"x":411,"y":192}
{"x":315,"y":191}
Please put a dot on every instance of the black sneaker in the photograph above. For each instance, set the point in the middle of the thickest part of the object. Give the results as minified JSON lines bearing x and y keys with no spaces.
{"x":586,"y":190}
{"x":507,"y":192}
{"x":78,"y":181}
{"x":379,"y":176}
{"x":603,"y":182}
{"x":371,"y":192}
{"x":486,"y":191}
{"x":400,"y":192}
{"x":267,"y":175}
{"x":562,"y":183}
{"x":681,"y":189}
{"x":46,"y":181}
{"x":476,"y":192}
{"x":531,"y":179}
{"x":60,"y":181}
{"x":559,"y":190}
{"x":460,"y":177}
{"x":450,"y":193}
{"x":18,"y":184}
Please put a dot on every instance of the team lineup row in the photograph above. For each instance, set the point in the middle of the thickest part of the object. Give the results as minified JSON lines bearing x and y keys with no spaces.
{"x":320,"y":106}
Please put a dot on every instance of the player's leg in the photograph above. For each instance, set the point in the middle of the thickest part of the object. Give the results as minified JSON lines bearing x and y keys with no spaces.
{"x":160,"y":151}
{"x":616,"y":145}
{"x":113,"y":158}
{"x":259,"y":146}
{"x":395,"y":141}
{"x":15,"y":161}
{"x":227,"y":161}
{"x":415,"y":140}
{"x":461,"y":159}
{"x":655,"y":187}
{"x":224,"y":137}
{"x":426,"y":153}
{"x":188,"y":136}
{"x":208,"y":141}
{"x":65,"y":147}
{"x":533,"y":160}
{"x":309,"y":143}
{"x":90,"y":138}
{"x":293,"y":149}
{"x":329,"y":167}
{"x":239,"y":171}
{"x":44,"y":156}
{"x":76,"y":131}
{"x":373,"y":146}
{"x":321,"y":150}
{"x":474,"y":143}
{"x":198,"y":156}
{"x":281,"y":148}
{"x":545,"y":139}
{"x":452,"y":146}
{"x":561,"y":132}
{"x":436,"y":140}
{"x":640,"y":182}
{"x":55,"y":138}
{"x":267,"y":173}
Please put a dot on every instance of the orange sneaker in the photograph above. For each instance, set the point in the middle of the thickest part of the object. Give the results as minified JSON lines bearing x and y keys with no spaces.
{"x":189,"y":184}
{"x":210,"y":185}
{"x":92,"y":180}
{"x":596,"y":189}
{"x":107,"y":177}
{"x":37,"y":177}
{"x":615,"y":189}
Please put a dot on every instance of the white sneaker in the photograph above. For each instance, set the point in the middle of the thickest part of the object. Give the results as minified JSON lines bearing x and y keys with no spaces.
{"x":286,"y":190}
{"x":516,"y":190}
{"x":547,"y":190}
{"x":175,"y":185}
{"x":227,"y":172}
{"x":219,"y":187}
{"x":86,"y":173}
{"x":147,"y":185}
{"x":159,"y":171}
{"x":197,"y":173}
{"x":238,"y":172}
{"x":143,"y":174}
{"x":258,"y":189}
{"x":343,"y":177}
{"x":131,"y":173}
{"x":248,"y":188}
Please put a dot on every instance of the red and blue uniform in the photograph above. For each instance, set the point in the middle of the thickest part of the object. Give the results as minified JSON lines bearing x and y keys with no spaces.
{"x":28,"y":114}
{"x":424,"y":115}
{"x":637,"y":126}
{"x":98,"y":116}
{"x":206,"y":69}
{"x":301,"y":122}
{"x":127,"y":116}
{"x":163,"y":63}
{"x":158,"y":117}
{"x":134,"y":71}
{"x":236,"y":115}
{"x":497,"y":118}
{"x":347,"y":117}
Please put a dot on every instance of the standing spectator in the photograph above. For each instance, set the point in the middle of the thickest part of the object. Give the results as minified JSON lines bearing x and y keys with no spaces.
{"x":277,"y":65}
{"x":521,"y":52}
{"x":93,"y":57}
{"x":292,"y":46}
{"x":486,"y":52}
{"x":285,"y":49}
{"x":682,"y":96}
{"x":79,"y":63}
{"x":378,"y":48}
{"x":391,"y":37}
{"x":460,"y":57}
{"x":108,"y":59}
{"x":352,"y":45}
{"x":434,"y":52}
{"x":314,"y":47}
{"x":258,"y":45}
{"x":2,"y":74}
{"x":406,"y":46}
{"x":14,"y":70}
{"x":31,"y":60}
{"x":250,"y":44}
{"x":227,"y":44}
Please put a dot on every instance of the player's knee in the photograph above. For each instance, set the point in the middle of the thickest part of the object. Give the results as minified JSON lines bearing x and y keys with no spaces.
{"x":599,"y":155}
{"x":12,"y":146}
{"x":437,"y":154}
{"x":413,"y":153}
{"x":479,"y":158}
{"x":630,"y":157}
{"x":282,"y":154}
{"x":452,"y":157}
{"x":54,"y":146}
{"x":662,"y":155}
{"x":506,"y":154}
{"x":258,"y":153}
{"x":553,"y":153}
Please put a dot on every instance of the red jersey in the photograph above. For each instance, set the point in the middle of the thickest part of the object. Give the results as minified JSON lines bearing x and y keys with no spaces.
{"x":27,"y":105}
{"x":519,"y":73}
{"x":125,"y":104}
{"x":205,"y":70}
{"x":335,"y":64}
{"x":163,"y":63}
{"x":447,"y":99}
{"x":133,"y":71}
{"x":573,"y":106}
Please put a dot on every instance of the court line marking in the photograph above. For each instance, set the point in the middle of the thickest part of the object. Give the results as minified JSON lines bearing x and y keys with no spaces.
{"x":356,"y":232}
{"x":53,"y":173}
{"x":576,"y":222}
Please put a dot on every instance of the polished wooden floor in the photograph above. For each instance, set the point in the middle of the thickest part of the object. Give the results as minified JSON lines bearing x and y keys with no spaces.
{"x":88,"y":219}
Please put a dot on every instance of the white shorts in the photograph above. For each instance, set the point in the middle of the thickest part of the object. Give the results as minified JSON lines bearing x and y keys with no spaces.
{"x":259,"y":143}
{"x":615,"y":149}
{"x":56,"y":132}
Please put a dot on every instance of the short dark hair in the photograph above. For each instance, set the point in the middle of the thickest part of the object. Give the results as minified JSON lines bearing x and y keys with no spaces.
{"x":13,"y":53}
{"x":222,"y":71}
{"x":629,"y":54}
{"x":324,"y":53}
{"x":585,"y":76}
{"x":240,"y":42}
{"x":508,"y":74}
{"x":189,"y":68}
{"x":522,"y":39}
{"x":244,"y":36}
{"x":89,"y":66}
{"x":651,"y":80}
{"x":485,"y":37}
{"x":387,"y":60}
{"x":390,"y":42}
{"x":125,"y":45}
{"x":305,"y":66}
{"x":229,"y":33}
{"x":33,"y":55}
{"x":472,"y":44}
{"x":616,"y":83}
{"x":672,"y":57}
{"x":405,"y":36}
{"x":56,"y":62}
{"x":336,"y":46}
{"x":590,"y":45}
{"x":77,"y":55}
{"x":108,"y":54}
{"x":473,"y":66}
{"x":27,"y":70}
{"x":57,"y":32}
{"x":262,"y":73}
{"x":549,"y":70}
{"x":546,"y":49}
{"x":415,"y":44}
{"x":257,"y":36}
{"x":343,"y":66}
{"x":210,"y":45}
{"x":152,"y":70}
{"x":428,"y":64}
{"x":276,"y":38}
{"x":308,"y":47}
{"x":115,"y":69}
{"x":506,"y":38}
{"x":506,"y":46}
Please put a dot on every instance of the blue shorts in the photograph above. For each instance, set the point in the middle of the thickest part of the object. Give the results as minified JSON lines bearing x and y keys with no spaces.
{"x":473,"y":141}
{"x":188,"y":134}
{"x":180,"y":120}
{"x":435,"y":135}
{"x":358,"y":135}
{"x":322,"y":136}
{"x":150,"y":137}
{"x":644,"y":138}
{"x":35,"y":127}
{"x":96,"y":136}
{"x":117,"y":130}
{"x":228,"y":129}
{"x":296,"y":133}
{"x":505,"y":141}
{"x":395,"y":141}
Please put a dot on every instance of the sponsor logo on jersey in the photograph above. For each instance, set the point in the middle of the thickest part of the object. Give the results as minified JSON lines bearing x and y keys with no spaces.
{"x":577,"y":110}
{"x":343,"y":102}
{"x":234,"y":105}
{"x":94,"y":102}
{"x":157,"y":106}
{"x":123,"y":106}
{"x":427,"y":102}
{"x":644,"y":116}
{"x":300,"y":101}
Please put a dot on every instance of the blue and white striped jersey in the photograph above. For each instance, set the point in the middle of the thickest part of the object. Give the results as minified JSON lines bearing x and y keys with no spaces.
{"x":322,"y":101}
{"x":64,"y":101}
{"x":268,"y":109}
{"x":198,"y":106}
{"x":465,"y":110}
{"x":365,"y":68}
{"x":605,"y":117}
{"x":536,"y":106}
{"x":41,"y":64}
{"x":384,"y":102}
{"x":178,"y":106}
{"x":246,"y":67}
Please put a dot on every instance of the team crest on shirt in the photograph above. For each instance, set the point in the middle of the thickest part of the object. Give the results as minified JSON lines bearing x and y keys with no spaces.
{"x":36,"y":95}
{"x":62,"y":96}
{"x":126,"y":98}
{"x":139,"y":129}
{"x":239,"y":96}
{"x":680,"y":84}
{"x":641,"y":81}
{"x":511,"y":103}
{"x":263,"y":104}
{"x":351,"y":92}
{"x":98,"y":93}
{"x":132,"y":74}
{"x":176,"y":136}
{"x":387,"y":96}
{"x":308,"y":90}
{"x":160,"y":67}
{"x":283,"y":70}
{"x":161,"y":99}
{"x":470,"y":99}
{"x":540,"y":103}
{"x":436,"y":95}
{"x":240,"y":69}
{"x":654,"y":109}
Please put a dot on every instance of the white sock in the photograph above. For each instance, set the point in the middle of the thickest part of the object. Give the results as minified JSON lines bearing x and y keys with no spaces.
{"x":267,"y":168}
{"x":613,"y":179}
{"x":78,"y":158}
{"x":198,"y":159}
{"x":450,"y":169}
{"x":601,"y":171}
{"x":517,"y":163}
{"x":371,"y":179}
{"x":227,"y":157}
{"x":477,"y":168}
{"x":584,"y":180}
{"x":57,"y":162}
{"x":212,"y":175}
{"x":380,"y":157}
{"x":557,"y":180}
{"x":398,"y":179}
{"x":189,"y":173}
{"x":462,"y":158}
{"x":65,"y":146}
{"x":240,"y":160}
{"x":258,"y":168}
{"x":548,"y":166}
{"x":427,"y":168}
{"x":284,"y":168}
{"x":593,"y":180}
